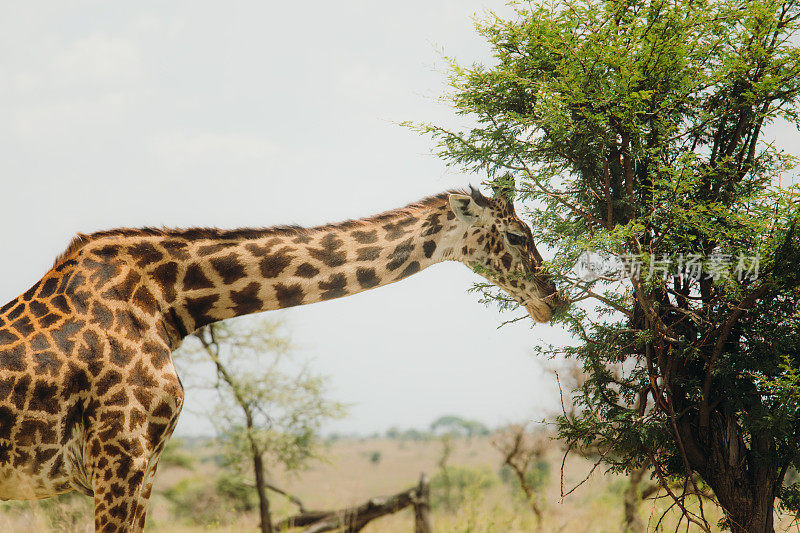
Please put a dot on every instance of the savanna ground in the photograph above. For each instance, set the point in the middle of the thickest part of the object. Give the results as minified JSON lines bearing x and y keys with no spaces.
{"x":195,"y":493}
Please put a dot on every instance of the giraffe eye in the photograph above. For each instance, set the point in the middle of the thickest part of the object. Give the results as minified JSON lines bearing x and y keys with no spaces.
{"x":515,"y":239}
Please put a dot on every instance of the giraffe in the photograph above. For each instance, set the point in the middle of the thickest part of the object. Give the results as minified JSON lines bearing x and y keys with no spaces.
{"x":88,"y":391}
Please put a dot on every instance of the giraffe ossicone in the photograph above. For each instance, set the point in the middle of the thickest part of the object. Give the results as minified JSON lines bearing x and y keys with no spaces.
{"x":88,"y":392}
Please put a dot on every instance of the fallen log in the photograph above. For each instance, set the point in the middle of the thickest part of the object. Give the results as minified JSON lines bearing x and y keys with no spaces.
{"x":353,"y":519}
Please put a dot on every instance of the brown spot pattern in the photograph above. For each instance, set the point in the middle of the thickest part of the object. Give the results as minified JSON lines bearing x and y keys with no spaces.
{"x":366,"y":237}
{"x":400,"y":255}
{"x":289,"y":295}
{"x":273,"y":264}
{"x":306,"y":270}
{"x":195,"y":278}
{"x":368,"y":253}
{"x":247,"y":300}
{"x":329,"y":252}
{"x":366,"y":278}
{"x":228,"y":267}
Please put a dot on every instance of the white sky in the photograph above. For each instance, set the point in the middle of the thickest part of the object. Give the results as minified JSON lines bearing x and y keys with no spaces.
{"x":252,"y":114}
{"x":257,"y":113}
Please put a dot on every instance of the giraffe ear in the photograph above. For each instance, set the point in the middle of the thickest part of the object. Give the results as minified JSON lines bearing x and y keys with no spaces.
{"x":465,"y":208}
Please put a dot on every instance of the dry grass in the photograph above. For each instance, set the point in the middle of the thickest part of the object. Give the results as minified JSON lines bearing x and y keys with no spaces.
{"x":350,"y":477}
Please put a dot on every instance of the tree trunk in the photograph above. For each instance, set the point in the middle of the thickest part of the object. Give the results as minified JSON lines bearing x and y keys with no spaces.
{"x":744,"y":479}
{"x":263,"y":500}
{"x":752,"y":513}
{"x":447,"y":449}
{"x":422,"y":507}
{"x":633,"y":497}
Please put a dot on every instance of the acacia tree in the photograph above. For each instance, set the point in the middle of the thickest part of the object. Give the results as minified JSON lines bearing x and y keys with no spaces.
{"x":457,"y":425}
{"x":633,"y":129}
{"x":267,"y":414}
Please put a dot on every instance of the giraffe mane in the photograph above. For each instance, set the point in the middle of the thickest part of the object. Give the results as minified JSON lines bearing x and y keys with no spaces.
{"x":82,"y":239}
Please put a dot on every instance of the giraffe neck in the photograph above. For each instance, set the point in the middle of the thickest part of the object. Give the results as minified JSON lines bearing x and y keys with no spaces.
{"x":229,"y":274}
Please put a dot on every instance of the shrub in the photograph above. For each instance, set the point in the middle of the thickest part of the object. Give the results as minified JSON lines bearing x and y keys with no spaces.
{"x":241,"y":496}
{"x":200,"y":501}
{"x":457,"y":484}
{"x":174,"y":455}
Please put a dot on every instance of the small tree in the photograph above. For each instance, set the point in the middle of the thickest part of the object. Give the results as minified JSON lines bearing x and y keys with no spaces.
{"x":632,"y":129}
{"x":523,"y":456}
{"x":458,"y":426}
{"x":443,"y":475}
{"x":265,"y":416}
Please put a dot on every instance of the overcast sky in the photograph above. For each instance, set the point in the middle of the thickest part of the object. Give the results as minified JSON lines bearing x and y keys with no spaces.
{"x":258,"y":113}
{"x":252,"y":114}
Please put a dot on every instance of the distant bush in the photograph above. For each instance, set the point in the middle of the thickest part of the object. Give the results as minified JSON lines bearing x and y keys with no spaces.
{"x":458,"y":484}
{"x":408,"y":434}
{"x":241,"y":496}
{"x":199,"y":501}
{"x":195,"y":501}
{"x":444,"y":425}
{"x":416,"y":435}
{"x":456,"y":425}
{"x":174,"y":454}
{"x":375,"y":457}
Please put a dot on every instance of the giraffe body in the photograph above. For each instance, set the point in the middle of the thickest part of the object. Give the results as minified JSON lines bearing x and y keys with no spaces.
{"x":88,"y":392}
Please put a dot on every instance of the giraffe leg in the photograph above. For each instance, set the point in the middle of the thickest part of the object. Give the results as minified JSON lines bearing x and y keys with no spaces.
{"x":144,"y":496}
{"x":128,"y":430}
{"x":160,"y":425}
{"x":123,"y":472}
{"x":153,"y":468}
{"x":118,"y":483}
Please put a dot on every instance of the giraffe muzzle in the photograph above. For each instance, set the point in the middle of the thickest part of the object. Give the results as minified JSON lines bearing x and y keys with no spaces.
{"x":539,"y":310}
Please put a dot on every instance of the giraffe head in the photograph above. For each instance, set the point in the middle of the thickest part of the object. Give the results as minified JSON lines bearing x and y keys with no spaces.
{"x":500,"y":247}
